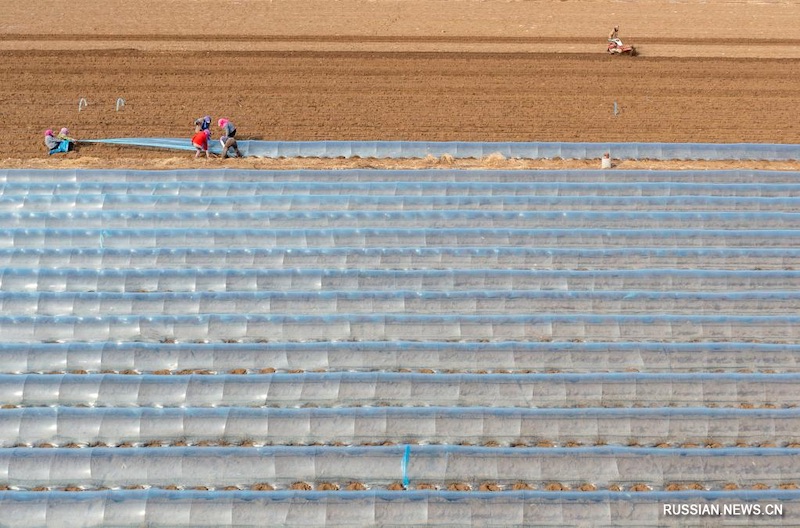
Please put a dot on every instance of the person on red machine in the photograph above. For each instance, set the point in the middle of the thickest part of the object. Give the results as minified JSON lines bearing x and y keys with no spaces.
{"x":615,"y":45}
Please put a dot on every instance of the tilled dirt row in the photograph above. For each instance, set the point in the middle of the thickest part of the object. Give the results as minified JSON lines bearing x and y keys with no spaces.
{"x":395,"y":96}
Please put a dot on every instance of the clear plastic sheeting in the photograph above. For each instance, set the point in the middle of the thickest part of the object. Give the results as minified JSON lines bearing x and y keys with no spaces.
{"x":726,"y":176}
{"x":231,"y":466}
{"x":67,"y":203}
{"x":543,"y":327}
{"x":461,"y":149}
{"x":22,"y":190}
{"x":245,"y":509}
{"x":62,"y":426}
{"x":394,"y":355}
{"x":391,"y":238}
{"x":401,"y":389}
{"x":396,"y":329}
{"x":475,"y":302}
{"x":354,"y":282}
{"x":431,"y":259}
{"x":401,"y":219}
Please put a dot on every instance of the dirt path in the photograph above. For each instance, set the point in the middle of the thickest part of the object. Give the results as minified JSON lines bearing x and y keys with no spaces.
{"x":112,"y":158}
{"x":533,"y":19}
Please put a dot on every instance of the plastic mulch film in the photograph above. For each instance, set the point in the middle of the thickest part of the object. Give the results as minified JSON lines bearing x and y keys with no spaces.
{"x":201,"y":509}
{"x":223,"y":238}
{"x":108,"y":203}
{"x":459,"y":149}
{"x":62,"y":426}
{"x":728,"y":176}
{"x":403,"y":258}
{"x":361,"y":327}
{"x":542,"y":282}
{"x":306,"y":220}
{"x":21,"y":190}
{"x":401,"y":389}
{"x":184,"y":189}
{"x":383,"y":355}
{"x":375,"y":466}
{"x":476,"y":302}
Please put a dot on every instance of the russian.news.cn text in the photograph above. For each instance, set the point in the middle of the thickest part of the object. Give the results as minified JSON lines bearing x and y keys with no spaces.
{"x":722,"y":510}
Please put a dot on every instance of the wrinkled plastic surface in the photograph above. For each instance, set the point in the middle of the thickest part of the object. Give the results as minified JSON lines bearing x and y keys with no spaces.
{"x":61,"y":426}
{"x":361,"y":327}
{"x":542,"y":260}
{"x":725,"y":176}
{"x":402,"y":219}
{"x":420,"y":149}
{"x":401,"y":389}
{"x":209,"y":509}
{"x":455,"y":282}
{"x":282,"y":465}
{"x":394,"y":238}
{"x":208,"y":189}
{"x":64,"y":203}
{"x":394,"y":355}
{"x":234,"y":273}
{"x":477,"y":302}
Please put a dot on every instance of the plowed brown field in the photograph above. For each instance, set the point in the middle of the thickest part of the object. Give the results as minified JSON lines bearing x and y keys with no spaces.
{"x":497,"y":70}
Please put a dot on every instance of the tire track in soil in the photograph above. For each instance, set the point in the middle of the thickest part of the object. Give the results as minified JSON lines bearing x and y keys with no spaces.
{"x":434,"y":39}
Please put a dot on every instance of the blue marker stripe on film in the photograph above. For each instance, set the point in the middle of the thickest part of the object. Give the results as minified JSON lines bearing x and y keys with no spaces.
{"x":404,"y":465}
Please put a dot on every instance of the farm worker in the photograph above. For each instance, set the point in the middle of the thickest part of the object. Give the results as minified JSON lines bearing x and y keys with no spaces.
{"x":202,"y":123}
{"x":64,"y":135}
{"x":52,"y":143}
{"x":200,"y":142}
{"x":228,"y":140}
{"x":68,"y":142}
{"x":614,"y":33}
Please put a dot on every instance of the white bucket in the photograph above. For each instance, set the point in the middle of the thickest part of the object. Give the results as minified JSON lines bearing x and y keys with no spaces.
{"x":605,"y":162}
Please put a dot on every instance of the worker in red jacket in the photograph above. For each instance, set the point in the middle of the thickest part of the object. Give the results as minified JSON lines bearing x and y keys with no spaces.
{"x":200,"y":142}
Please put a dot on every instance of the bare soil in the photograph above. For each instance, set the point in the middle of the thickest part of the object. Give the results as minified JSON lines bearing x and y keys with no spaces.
{"x":491,"y":70}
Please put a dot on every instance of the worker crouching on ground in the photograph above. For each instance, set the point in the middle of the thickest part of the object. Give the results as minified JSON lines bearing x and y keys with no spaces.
{"x":53,"y":144}
{"x":202,"y":123}
{"x":64,"y":135}
{"x":228,"y":140}
{"x":200,"y":143}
